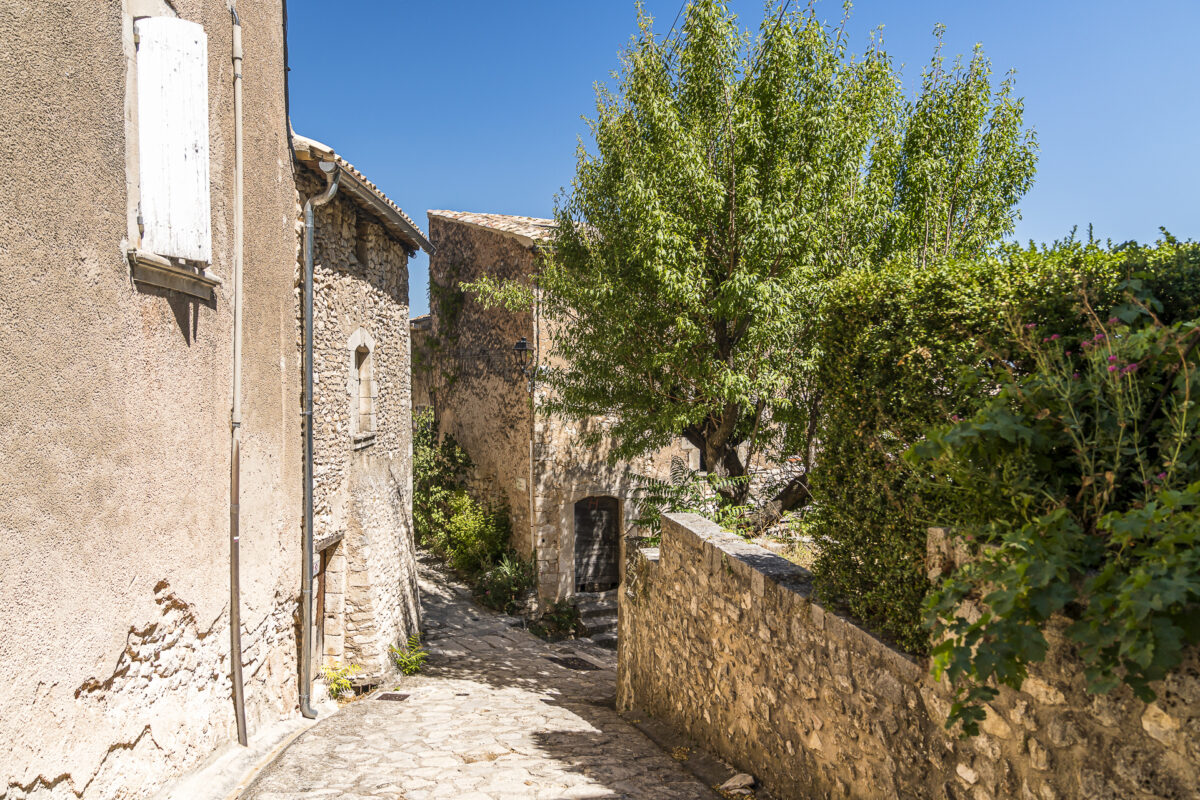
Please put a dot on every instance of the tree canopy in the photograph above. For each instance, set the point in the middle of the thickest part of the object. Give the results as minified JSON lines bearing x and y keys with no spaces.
{"x":732,"y":176}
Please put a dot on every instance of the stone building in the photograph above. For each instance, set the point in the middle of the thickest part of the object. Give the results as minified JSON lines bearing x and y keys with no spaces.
{"x":366,"y":589}
{"x":420,"y":329}
{"x":121,"y":237}
{"x":569,"y":504}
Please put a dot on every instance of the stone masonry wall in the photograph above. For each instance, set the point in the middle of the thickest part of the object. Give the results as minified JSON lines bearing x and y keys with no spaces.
{"x":567,"y":471}
{"x":482,"y":399}
{"x":362,"y":478}
{"x":480,"y":396}
{"x":722,"y":638}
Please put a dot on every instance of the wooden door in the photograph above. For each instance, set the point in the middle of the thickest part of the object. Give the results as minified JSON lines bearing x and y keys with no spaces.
{"x":597,"y":520}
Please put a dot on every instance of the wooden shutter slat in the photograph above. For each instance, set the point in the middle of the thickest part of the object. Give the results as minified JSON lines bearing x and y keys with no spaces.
{"x":172,"y":95}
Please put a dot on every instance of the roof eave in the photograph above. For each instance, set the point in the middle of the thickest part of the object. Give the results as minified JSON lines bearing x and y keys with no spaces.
{"x":312,"y":152}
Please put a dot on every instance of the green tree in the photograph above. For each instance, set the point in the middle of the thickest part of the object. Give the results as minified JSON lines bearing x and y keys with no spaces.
{"x":732,"y":177}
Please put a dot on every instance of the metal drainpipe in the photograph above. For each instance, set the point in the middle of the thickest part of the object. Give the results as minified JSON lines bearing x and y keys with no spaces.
{"x":334,"y":174}
{"x":235,"y":455}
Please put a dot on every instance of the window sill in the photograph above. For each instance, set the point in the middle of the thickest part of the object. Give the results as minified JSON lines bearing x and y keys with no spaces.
{"x":361,"y":440}
{"x":155,"y":270}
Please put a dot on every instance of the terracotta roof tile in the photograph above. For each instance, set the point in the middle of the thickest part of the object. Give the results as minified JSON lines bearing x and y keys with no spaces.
{"x":534,"y":230}
{"x":312,"y":150}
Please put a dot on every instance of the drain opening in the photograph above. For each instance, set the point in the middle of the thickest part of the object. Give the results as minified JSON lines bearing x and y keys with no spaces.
{"x":393,"y":696}
{"x":573,"y":662}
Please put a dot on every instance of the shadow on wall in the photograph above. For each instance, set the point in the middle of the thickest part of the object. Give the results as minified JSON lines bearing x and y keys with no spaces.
{"x":185,"y":309}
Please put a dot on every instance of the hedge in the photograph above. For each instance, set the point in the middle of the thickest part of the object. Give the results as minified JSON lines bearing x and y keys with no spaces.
{"x":907,"y":347}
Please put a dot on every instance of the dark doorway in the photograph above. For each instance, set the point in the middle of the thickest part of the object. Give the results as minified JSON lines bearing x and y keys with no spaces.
{"x":596,"y":544}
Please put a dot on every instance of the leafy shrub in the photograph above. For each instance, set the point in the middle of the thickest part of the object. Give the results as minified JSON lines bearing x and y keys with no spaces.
{"x":474,"y":539}
{"x":894,"y":346}
{"x":504,"y":586}
{"x":337,"y":678}
{"x":559,"y":620}
{"x":439,"y":471}
{"x":687,"y":490}
{"x":1077,"y":487}
{"x":411,"y":657}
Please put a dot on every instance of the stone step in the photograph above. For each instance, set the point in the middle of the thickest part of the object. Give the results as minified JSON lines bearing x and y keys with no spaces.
{"x":602,"y":624}
{"x":595,"y":609}
{"x":607,"y":640}
{"x":587,"y":597}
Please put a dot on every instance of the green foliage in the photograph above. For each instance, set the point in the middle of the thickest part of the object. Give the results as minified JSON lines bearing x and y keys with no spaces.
{"x":472,"y":538}
{"x":337,"y":678}
{"x":731,"y":177}
{"x":894,"y":348}
{"x":1077,"y":487}
{"x":411,"y":657}
{"x":687,"y":490}
{"x":907,"y":347}
{"x":439,"y":473}
{"x":505,"y":585}
{"x":560,"y":620}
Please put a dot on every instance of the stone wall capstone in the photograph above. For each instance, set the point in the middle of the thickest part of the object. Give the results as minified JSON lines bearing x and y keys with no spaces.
{"x":723,"y":639}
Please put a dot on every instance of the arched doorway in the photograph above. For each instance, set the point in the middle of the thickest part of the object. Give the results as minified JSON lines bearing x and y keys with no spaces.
{"x":597,"y":548}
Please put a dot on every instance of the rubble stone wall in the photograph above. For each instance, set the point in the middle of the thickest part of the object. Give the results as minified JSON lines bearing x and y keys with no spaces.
{"x":362,"y":470}
{"x":723,"y":639}
{"x":480,"y":396}
{"x":482,"y":399}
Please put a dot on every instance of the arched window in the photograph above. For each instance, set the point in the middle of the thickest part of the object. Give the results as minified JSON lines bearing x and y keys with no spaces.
{"x":361,"y":386}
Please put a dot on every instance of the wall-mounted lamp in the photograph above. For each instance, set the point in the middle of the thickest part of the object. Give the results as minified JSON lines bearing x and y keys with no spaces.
{"x":524,"y":354}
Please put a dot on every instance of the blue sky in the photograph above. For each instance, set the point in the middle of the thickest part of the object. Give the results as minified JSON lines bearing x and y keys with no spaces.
{"x":476,"y":106}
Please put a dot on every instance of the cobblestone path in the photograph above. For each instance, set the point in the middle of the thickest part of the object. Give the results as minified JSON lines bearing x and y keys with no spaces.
{"x":489,"y":718}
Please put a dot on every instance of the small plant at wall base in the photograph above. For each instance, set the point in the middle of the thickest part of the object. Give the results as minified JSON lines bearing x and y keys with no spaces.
{"x":560,"y":620}
{"x":337,"y":679}
{"x":1077,"y":489}
{"x":506,"y":585}
{"x":410,"y":657}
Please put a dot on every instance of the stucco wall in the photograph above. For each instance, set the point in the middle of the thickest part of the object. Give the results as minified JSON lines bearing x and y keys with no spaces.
{"x":362,"y":483}
{"x":114,"y":421}
{"x":480,"y":396}
{"x":722,"y":638}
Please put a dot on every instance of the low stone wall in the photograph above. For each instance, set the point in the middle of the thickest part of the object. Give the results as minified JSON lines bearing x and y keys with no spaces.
{"x":722,"y":638}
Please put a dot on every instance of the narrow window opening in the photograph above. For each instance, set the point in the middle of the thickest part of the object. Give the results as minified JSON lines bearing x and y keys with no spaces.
{"x":362,"y":365}
{"x":361,"y":249}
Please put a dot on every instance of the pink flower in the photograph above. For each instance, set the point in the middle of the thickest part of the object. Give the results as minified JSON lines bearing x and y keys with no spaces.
{"x":1098,"y":336}
{"x":1112,"y":358}
{"x":1112,"y":320}
{"x":1085,"y":344}
{"x":1055,"y":337}
{"x":1068,"y":352}
{"x":1031,"y":326}
{"x":1075,"y":376}
{"x":1112,"y":368}
{"x":1161,"y":476}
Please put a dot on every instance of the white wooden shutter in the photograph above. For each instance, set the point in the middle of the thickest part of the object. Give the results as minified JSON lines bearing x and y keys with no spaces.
{"x":172,"y":97}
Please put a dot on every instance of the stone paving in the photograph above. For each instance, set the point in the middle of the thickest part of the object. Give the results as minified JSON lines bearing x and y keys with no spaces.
{"x":489,"y":718}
